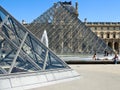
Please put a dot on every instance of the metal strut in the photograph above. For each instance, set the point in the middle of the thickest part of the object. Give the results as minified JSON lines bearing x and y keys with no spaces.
{"x":18,"y":51}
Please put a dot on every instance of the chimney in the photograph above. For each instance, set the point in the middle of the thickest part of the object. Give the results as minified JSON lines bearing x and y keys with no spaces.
{"x":76,"y":7}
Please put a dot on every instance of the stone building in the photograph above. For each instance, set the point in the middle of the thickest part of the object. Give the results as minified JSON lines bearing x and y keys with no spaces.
{"x":108,"y":31}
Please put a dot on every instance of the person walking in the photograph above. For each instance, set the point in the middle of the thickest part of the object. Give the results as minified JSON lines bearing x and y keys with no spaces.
{"x":94,"y":57}
{"x":115,"y":58}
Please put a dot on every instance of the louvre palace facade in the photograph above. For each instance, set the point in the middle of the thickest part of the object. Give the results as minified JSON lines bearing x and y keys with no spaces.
{"x":108,"y":31}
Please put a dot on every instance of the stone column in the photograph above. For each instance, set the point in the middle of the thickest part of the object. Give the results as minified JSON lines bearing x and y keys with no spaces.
{"x":113,"y":45}
{"x":104,"y":35}
{"x":111,"y":35}
{"x":117,"y":35}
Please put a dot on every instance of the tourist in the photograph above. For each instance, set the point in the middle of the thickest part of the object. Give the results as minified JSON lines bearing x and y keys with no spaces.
{"x":115,"y":58}
{"x":105,"y":53}
{"x":94,"y":57}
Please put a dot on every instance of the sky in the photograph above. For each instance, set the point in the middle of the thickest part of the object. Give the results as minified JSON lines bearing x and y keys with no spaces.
{"x":93,"y":10}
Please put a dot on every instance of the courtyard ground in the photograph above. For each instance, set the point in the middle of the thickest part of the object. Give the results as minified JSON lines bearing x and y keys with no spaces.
{"x":92,"y":77}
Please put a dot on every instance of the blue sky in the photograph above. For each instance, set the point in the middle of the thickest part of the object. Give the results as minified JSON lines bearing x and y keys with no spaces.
{"x":93,"y":10}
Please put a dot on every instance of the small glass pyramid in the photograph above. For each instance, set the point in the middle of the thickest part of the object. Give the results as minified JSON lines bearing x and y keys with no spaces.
{"x":25,"y":62}
{"x":21,"y":50}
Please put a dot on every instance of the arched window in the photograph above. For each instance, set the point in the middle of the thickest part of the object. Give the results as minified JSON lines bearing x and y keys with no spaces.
{"x":116,"y":46}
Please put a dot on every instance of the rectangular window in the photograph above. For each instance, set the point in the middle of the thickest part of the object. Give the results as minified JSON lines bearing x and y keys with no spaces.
{"x":113,"y":28}
{"x":114,"y":36}
{"x":108,"y":35}
{"x":116,"y":28}
{"x":95,"y":28}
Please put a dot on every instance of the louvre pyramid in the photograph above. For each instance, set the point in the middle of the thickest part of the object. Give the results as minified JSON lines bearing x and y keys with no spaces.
{"x":66,"y":32}
{"x":24,"y":60}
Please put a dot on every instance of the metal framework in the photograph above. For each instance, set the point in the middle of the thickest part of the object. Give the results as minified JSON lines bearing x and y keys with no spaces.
{"x":21,"y":51}
{"x":66,"y":32}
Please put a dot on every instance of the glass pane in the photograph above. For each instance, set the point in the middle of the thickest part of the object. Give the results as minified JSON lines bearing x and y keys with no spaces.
{"x":2,"y":16}
{"x":54,"y":62}
{"x":23,"y":65}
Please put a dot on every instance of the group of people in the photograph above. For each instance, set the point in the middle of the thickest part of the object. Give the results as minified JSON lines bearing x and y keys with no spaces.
{"x":115,"y":58}
{"x":106,"y":53}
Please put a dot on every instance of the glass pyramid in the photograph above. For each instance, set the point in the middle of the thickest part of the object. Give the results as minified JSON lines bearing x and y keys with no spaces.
{"x":25,"y":62}
{"x":66,"y":32}
{"x":21,"y":51}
